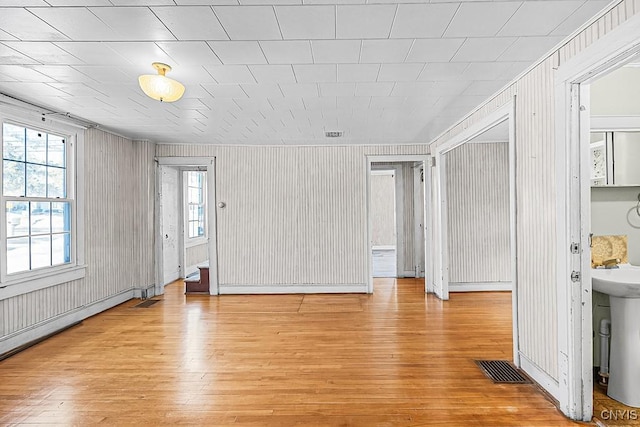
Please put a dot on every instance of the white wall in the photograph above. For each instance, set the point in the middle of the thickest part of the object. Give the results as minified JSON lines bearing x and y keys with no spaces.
{"x":119,"y":243}
{"x":294,"y":216}
{"x":617,"y":93}
{"x":478,"y":213}
{"x":535,"y":147}
{"x":383,"y":210}
{"x":613,"y":211}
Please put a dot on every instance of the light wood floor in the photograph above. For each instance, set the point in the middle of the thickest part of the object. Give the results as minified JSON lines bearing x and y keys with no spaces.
{"x":394,"y":358}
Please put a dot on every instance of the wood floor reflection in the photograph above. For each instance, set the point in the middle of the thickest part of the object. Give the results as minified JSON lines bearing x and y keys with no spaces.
{"x":394,"y":358}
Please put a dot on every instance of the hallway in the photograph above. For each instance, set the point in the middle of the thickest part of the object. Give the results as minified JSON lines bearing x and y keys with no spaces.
{"x":397,"y":357}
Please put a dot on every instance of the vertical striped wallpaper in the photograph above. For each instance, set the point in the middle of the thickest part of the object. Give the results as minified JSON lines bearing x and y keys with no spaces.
{"x":119,"y":238}
{"x":197,"y":254}
{"x":293,"y":215}
{"x":535,"y":188}
{"x":478,"y":213}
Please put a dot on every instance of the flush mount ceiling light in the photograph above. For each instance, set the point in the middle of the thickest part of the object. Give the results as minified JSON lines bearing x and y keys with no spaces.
{"x":160,"y":87}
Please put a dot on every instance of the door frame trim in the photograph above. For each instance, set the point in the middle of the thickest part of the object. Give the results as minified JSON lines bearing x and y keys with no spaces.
{"x":209,"y":163}
{"x":369,"y":159}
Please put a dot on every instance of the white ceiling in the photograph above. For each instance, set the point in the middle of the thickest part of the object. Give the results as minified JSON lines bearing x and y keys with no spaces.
{"x":276,"y":71}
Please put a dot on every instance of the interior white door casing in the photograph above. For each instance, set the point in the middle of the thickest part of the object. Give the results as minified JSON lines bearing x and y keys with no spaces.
{"x":171,"y":220}
{"x":425,"y":159}
{"x":201,"y":163}
{"x":573,"y":210}
{"x":440,"y":225}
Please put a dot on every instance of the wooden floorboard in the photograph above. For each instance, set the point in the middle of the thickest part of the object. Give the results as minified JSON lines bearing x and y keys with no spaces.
{"x":394,"y":358}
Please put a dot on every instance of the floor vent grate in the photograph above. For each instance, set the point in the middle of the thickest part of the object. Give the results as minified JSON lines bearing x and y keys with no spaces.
{"x":147,"y":303}
{"x":502,"y":371}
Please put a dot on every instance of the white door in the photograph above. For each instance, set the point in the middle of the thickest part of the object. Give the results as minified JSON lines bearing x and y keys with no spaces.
{"x":170,"y":207}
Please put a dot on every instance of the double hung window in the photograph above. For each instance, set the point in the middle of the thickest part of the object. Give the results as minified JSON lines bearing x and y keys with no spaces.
{"x":38,"y":202}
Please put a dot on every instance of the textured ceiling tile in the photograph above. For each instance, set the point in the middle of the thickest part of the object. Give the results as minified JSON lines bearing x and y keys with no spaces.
{"x":358,"y":72}
{"x":249,"y":22}
{"x":434,"y":50}
{"x":399,"y":72}
{"x":483,"y":49}
{"x":299,"y":90}
{"x":422,"y":20}
{"x":76,"y":23}
{"x":238,"y":52}
{"x":273,"y":73}
{"x":315,"y":73}
{"x":25,"y":26}
{"x":133,"y":23}
{"x":225,"y":74}
{"x":191,"y":23}
{"x":44,"y":52}
{"x":364,"y":22}
{"x":539,"y":18}
{"x":481,"y":19}
{"x":190,"y":53}
{"x":335,"y":51}
{"x":287,"y":52}
{"x":308,"y":22}
{"x":385,"y":51}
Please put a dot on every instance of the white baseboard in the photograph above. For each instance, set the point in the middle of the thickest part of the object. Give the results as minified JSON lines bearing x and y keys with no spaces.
{"x":479,"y":286}
{"x":54,"y":324}
{"x":293,"y":289}
{"x":543,"y":379}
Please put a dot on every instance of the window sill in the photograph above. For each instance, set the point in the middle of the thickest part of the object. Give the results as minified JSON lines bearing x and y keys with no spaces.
{"x":24,"y":285}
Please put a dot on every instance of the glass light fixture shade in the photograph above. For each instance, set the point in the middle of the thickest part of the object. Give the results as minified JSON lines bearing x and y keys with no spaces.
{"x":160,"y":87}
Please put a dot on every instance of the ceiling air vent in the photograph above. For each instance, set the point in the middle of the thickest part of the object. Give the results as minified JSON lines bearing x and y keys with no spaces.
{"x":333,"y":134}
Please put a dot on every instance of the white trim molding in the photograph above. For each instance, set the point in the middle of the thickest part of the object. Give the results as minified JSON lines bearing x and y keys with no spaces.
{"x":243,"y":289}
{"x":545,"y":380}
{"x":572,"y":123}
{"x":480,"y":286}
{"x":25,"y":336}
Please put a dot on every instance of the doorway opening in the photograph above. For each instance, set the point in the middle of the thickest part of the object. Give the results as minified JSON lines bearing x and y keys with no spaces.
{"x":396,"y":212}
{"x":384,"y":223}
{"x":587,"y":122}
{"x":185,"y":221}
{"x":474,"y":218}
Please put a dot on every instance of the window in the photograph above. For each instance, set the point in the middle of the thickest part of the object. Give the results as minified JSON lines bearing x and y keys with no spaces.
{"x":196,"y":204}
{"x":37,"y":198}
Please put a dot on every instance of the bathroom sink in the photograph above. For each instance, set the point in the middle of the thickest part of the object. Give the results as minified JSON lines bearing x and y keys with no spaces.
{"x":623,"y":282}
{"x":623,"y":286}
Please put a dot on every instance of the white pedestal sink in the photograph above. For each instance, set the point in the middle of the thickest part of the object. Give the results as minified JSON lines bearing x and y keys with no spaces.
{"x":623,"y":286}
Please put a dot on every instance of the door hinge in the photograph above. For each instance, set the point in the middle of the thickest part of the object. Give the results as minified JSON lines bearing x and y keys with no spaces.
{"x":575,"y":248}
{"x":575,"y":276}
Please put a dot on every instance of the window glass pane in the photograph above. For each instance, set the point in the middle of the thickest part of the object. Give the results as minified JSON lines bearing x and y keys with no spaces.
{"x":17,"y":219}
{"x":56,"y":151}
{"x":13,"y":139}
{"x":40,"y":251}
{"x":55,"y":182}
{"x":17,"y":255}
{"x":194,"y":195}
{"x":36,"y":147}
{"x":36,"y":181}
{"x":193,"y":179}
{"x":60,"y":217}
{"x":200,"y":228}
{"x":40,"y":217}
{"x":60,"y":249}
{"x":13,"y":179}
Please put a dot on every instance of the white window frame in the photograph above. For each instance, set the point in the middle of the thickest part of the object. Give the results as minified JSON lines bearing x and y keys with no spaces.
{"x":28,"y":281}
{"x":199,"y":240}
